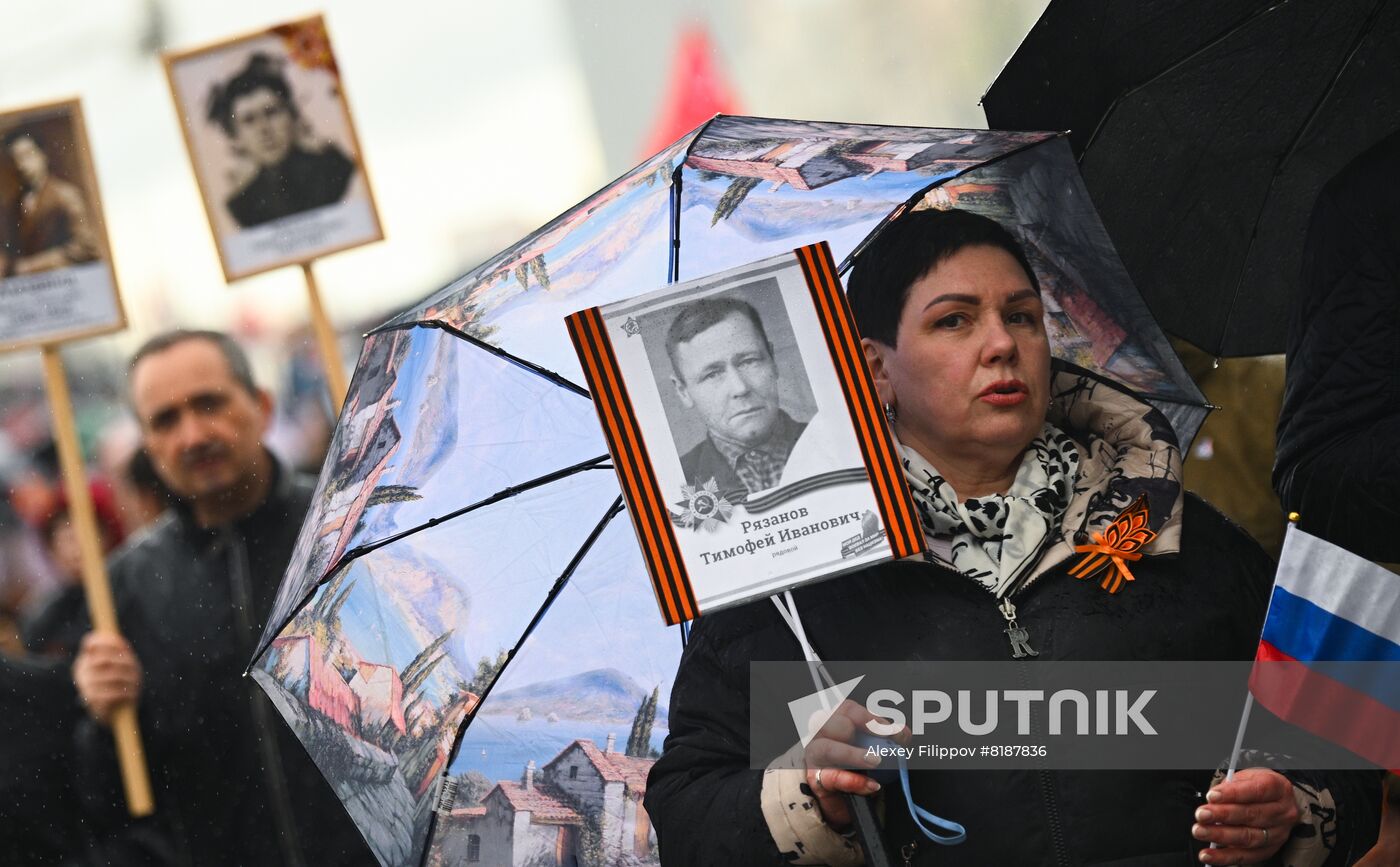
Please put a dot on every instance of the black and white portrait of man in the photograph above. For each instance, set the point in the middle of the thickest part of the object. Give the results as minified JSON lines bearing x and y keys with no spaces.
{"x":726,"y":373}
{"x":290,"y":170}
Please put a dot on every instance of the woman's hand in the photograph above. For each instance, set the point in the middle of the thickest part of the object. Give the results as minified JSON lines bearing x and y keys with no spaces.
{"x":830,"y":755}
{"x":1250,"y":817}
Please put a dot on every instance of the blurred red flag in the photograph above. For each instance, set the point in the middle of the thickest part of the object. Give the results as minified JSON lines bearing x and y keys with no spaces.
{"x":697,"y":91}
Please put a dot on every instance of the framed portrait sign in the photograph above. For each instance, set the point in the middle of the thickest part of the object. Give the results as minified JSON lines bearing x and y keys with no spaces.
{"x":57,"y":282}
{"x":746,"y":433}
{"x":273,"y":146}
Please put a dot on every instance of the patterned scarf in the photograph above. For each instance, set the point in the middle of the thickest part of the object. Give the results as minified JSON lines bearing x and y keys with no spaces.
{"x":994,"y":537}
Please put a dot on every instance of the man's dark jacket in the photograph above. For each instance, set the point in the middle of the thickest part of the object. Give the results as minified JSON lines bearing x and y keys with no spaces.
{"x":233,"y":786}
{"x":1338,"y":462}
{"x":38,"y":709}
{"x":1206,"y":603}
{"x":705,"y":462}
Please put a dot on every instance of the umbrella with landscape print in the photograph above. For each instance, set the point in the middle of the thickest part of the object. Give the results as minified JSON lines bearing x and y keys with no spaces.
{"x":465,"y":640}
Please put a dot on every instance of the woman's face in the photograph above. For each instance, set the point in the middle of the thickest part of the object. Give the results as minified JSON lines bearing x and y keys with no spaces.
{"x":969,"y":374}
{"x":263,"y":126}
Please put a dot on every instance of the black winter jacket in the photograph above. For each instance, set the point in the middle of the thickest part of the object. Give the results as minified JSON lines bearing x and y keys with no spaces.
{"x":1338,"y":461}
{"x":1206,"y":603}
{"x":232,"y":784}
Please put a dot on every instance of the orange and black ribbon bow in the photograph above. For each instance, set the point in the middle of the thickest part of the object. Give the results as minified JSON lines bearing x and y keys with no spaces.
{"x":1121,"y":542}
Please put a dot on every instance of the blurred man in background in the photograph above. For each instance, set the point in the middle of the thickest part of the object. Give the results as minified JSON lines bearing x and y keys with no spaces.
{"x":232,"y":786}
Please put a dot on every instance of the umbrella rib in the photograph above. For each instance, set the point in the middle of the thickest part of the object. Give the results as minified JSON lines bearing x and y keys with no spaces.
{"x":554,"y":592}
{"x":503,"y":494}
{"x":1061,"y":365}
{"x":700,"y":133}
{"x":1025,"y":40}
{"x":548,"y":374}
{"x":673,"y":259}
{"x":1366,"y":27}
{"x":673,"y":255}
{"x":598,"y":463}
{"x":1179,"y":400}
{"x":1172,"y":67}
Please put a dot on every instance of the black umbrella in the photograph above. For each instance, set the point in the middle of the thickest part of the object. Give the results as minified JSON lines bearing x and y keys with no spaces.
{"x":1205,"y":129}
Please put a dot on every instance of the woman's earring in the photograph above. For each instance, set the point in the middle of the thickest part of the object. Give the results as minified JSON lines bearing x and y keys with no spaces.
{"x":889,"y":413}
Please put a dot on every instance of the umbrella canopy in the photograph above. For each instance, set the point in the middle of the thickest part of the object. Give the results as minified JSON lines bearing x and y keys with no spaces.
{"x":465,"y":639}
{"x":1205,"y":129}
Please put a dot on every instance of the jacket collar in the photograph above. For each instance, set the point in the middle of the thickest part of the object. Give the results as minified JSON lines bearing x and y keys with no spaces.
{"x":1127,"y":450}
{"x":270,"y":512}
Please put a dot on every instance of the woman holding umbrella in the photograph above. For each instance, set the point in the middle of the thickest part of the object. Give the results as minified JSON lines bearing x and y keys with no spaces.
{"x":1014,"y":463}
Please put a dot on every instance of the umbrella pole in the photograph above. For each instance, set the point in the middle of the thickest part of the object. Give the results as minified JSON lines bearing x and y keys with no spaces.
{"x":102,"y":611}
{"x":326,"y":343}
{"x":867,"y":826}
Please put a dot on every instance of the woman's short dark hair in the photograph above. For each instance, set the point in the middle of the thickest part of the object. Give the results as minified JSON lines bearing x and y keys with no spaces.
{"x":261,"y":73}
{"x":908,"y":249}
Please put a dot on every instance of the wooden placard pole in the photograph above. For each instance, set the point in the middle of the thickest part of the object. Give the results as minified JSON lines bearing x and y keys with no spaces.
{"x":326,"y":343}
{"x":131,"y":756}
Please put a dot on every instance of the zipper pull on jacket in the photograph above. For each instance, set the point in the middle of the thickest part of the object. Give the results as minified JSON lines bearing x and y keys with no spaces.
{"x":1020,"y":638}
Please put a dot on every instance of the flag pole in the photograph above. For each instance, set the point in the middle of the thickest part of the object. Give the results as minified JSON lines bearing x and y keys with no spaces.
{"x":1239,"y":742}
{"x":1239,"y":737}
{"x":102,"y":611}
{"x":1244,"y":717}
{"x":326,"y":344}
{"x":1248,"y":702}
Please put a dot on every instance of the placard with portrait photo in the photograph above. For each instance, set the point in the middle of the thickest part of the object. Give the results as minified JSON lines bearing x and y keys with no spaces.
{"x":273,"y":146}
{"x":56,"y":277}
{"x":746,"y":433}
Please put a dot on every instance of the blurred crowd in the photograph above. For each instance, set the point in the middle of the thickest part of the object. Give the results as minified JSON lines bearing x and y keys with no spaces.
{"x":41,"y":598}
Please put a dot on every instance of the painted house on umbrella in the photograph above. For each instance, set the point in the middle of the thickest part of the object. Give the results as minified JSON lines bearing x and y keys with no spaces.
{"x":381,"y":697}
{"x":543,"y":819}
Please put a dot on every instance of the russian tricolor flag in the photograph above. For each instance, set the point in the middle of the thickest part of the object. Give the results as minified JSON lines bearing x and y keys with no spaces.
{"x":1329,"y":658}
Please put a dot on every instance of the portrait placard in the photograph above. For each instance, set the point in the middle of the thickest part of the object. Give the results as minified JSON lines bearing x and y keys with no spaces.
{"x":273,"y":146}
{"x":56,"y":277}
{"x":746,"y":433}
